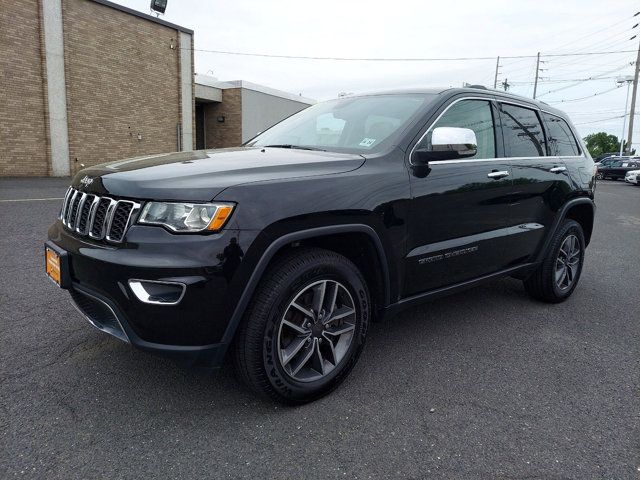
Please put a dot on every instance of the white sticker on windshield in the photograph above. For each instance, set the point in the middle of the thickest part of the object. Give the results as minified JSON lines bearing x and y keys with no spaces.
{"x":367,"y":142}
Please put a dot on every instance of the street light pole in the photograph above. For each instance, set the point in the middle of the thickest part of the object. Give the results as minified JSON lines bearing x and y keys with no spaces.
{"x":620,"y":81}
{"x":633,"y":101}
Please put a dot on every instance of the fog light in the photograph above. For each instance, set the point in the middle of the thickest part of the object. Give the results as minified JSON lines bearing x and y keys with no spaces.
{"x":158,"y":292}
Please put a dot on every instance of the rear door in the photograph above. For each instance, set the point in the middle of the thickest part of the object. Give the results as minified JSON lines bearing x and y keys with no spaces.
{"x":540,"y":181}
{"x":459,"y":211}
{"x":612,"y":169}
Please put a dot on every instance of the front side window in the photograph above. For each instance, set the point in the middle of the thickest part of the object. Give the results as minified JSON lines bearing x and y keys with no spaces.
{"x":560,"y":138}
{"x":522,"y":132}
{"x":350,"y":124}
{"x":472,"y":114}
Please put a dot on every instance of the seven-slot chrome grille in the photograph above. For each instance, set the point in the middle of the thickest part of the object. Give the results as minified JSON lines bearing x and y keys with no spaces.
{"x":97,"y":217}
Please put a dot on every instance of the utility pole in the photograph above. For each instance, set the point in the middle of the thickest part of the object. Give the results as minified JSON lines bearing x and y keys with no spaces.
{"x":535,"y":83}
{"x":495,"y":78}
{"x":505,"y":84}
{"x":621,"y":81}
{"x":633,"y":102}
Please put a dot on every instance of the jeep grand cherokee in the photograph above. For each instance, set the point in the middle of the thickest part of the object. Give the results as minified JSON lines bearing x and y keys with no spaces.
{"x":280,"y":253}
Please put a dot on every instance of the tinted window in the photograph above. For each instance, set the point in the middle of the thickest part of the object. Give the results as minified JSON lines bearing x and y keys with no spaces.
{"x":559,"y":135}
{"x":522,"y":132}
{"x":475,"y":115}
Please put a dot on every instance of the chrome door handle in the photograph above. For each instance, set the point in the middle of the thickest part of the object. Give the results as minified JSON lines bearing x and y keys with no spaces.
{"x":498,"y":174}
{"x":557,"y":169}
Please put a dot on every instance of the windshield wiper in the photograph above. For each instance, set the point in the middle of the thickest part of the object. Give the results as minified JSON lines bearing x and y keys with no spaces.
{"x":296,"y":147}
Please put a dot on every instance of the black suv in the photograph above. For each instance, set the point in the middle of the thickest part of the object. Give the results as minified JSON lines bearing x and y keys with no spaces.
{"x":617,"y":168}
{"x":282,"y":252}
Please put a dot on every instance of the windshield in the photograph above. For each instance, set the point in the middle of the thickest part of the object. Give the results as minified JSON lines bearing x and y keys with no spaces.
{"x":356,"y":124}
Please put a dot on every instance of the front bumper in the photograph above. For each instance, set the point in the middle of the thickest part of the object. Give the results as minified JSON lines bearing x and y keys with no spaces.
{"x":633,"y":180}
{"x":105,"y":316}
{"x":210,"y":267}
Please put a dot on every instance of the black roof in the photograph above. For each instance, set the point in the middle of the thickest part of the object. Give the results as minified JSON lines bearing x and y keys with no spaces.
{"x":470,"y":90}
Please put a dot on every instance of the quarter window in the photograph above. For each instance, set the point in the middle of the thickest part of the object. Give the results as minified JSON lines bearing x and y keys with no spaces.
{"x":522,"y":132}
{"x":472,"y":114}
{"x":560,"y":138}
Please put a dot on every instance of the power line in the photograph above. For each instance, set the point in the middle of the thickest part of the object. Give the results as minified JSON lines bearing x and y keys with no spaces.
{"x":577,"y":61}
{"x":618,"y":38}
{"x":584,"y":98}
{"x":598,"y":112}
{"x":616,"y":41}
{"x":593,"y":33}
{"x":369,"y":59}
{"x":567,"y":80}
{"x":579,"y":82}
{"x":600,"y":120}
{"x":590,"y":71}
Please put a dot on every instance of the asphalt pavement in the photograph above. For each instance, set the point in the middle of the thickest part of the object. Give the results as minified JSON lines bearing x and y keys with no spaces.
{"x":483,"y":384}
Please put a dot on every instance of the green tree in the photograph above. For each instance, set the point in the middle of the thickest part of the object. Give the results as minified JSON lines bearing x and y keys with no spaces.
{"x":602,"y":142}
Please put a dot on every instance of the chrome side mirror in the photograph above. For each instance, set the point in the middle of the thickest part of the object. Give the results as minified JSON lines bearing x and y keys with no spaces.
{"x":448,"y":143}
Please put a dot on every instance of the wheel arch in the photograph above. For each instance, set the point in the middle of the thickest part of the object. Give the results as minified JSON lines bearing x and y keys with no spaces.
{"x":324,"y":237}
{"x":582,"y":210}
{"x":583,"y":213}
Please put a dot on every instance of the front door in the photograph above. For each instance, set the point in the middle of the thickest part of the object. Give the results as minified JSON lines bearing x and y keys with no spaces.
{"x":459,"y":208}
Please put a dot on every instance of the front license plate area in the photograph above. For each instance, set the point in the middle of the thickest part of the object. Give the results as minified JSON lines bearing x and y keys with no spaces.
{"x":56,"y":264}
{"x":52,"y":260}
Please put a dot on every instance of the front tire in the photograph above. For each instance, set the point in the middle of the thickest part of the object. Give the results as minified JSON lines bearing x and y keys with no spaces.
{"x":557,"y":276}
{"x":304,"y":328}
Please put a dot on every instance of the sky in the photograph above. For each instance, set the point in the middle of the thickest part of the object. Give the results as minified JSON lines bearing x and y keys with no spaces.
{"x":423,"y":29}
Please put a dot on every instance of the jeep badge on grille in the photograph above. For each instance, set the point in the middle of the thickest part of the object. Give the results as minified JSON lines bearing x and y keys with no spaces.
{"x":86,"y":181}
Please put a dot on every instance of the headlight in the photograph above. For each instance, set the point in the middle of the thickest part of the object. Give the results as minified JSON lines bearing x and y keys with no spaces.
{"x":187,"y":217}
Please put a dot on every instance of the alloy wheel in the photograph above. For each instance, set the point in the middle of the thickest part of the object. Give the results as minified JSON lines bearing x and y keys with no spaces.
{"x":316,"y":330}
{"x":567,"y":262}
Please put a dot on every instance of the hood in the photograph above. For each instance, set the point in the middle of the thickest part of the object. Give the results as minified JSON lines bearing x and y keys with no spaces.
{"x":201,"y":175}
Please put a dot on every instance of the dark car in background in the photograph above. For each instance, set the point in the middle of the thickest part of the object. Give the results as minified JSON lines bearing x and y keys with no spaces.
{"x":617,"y":168}
{"x":610,"y":159}
{"x":281,"y":252}
{"x":602,"y":156}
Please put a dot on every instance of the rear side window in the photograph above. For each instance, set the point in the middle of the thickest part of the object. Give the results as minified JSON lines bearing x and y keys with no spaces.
{"x":475,"y":115}
{"x":521,"y":131}
{"x":560,"y":138}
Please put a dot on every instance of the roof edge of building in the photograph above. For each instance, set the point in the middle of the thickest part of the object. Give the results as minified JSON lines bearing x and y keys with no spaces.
{"x":142,"y":15}
{"x":223,"y":85}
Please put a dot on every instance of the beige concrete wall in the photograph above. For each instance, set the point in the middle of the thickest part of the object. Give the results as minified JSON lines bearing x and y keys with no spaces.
{"x":23,"y":130}
{"x":261,"y":110}
{"x":122,"y":79}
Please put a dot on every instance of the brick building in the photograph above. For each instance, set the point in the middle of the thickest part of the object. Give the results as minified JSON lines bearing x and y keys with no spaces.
{"x":88,"y":81}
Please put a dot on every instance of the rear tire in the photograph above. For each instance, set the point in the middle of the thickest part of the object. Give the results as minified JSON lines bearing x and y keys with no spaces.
{"x":305,"y":327}
{"x":557,"y":276}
